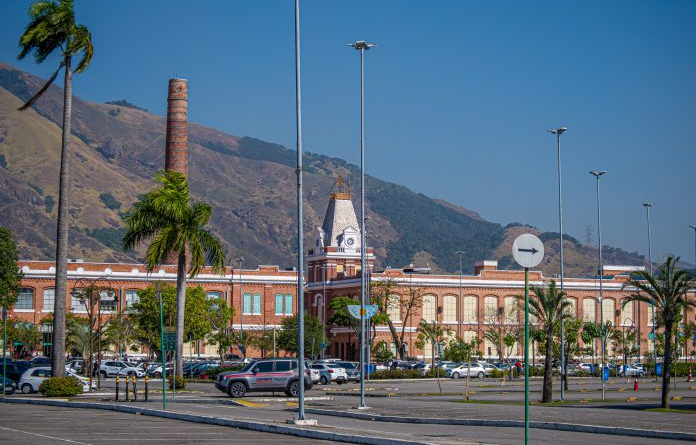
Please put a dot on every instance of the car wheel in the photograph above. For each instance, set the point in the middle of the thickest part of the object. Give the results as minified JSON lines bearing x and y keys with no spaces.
{"x":102,"y":374}
{"x":481,"y":374}
{"x":455,"y":375}
{"x":27,"y":388}
{"x":324,"y":380}
{"x":340,"y":382}
{"x":293,"y":389}
{"x":237,"y":390}
{"x":157,"y":375}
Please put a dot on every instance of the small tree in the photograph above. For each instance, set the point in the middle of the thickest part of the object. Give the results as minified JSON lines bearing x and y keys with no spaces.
{"x":381,"y":352}
{"x":314,"y":334}
{"x":571,"y":345}
{"x":24,"y":334}
{"x":384,"y":296}
{"x":220,"y":315}
{"x":503,"y":335}
{"x":431,"y":332}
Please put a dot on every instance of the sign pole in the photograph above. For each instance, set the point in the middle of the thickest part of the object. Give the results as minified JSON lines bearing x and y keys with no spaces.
{"x":526,"y":355}
{"x":162,"y":350}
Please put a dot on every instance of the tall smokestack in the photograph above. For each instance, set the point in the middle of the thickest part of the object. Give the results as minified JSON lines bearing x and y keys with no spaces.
{"x":176,"y":151}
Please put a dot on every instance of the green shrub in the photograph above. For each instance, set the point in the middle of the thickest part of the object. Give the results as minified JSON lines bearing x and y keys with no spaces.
{"x":109,"y":201}
{"x":61,"y":387}
{"x":212,"y":373}
{"x":437,"y":372}
{"x":180,"y":382}
{"x":393,"y":374}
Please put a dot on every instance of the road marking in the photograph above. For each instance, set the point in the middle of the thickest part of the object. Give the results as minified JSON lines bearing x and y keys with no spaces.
{"x":43,"y":435}
{"x":292,"y":404}
{"x":250,"y":404}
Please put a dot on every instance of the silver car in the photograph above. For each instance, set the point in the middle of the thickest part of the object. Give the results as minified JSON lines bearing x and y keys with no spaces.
{"x":462,"y":370}
{"x":270,"y":375}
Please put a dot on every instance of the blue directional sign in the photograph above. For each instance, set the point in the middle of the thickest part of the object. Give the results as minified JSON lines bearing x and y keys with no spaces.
{"x":370,"y":310}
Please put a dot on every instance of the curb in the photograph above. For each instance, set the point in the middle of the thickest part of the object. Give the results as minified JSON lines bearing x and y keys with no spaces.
{"x":571,"y":427}
{"x":241,"y":424}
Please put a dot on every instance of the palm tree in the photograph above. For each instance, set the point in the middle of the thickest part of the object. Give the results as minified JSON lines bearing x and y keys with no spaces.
{"x":165,"y":217}
{"x":548,"y":305}
{"x":666,"y":290}
{"x":52,"y":27}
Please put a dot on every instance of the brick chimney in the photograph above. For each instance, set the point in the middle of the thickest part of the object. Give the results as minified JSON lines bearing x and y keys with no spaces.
{"x":176,"y":150}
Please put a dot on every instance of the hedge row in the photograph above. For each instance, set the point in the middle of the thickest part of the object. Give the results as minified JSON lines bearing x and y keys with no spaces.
{"x":61,"y":387}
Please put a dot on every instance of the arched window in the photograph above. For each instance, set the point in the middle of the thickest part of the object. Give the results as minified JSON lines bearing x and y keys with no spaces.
{"x":589,"y":309}
{"x":572,"y":310}
{"x":49,"y":299}
{"x":213,"y":294}
{"x":427,"y":350}
{"x":627,"y":314}
{"x":429,"y":307}
{"x":25,"y":299}
{"x":132,"y":297}
{"x":470,"y":310}
{"x":449,"y":311}
{"x":511,"y":310}
{"x":394,"y":308}
{"x":77,"y":304}
{"x":608,"y":309}
{"x":468,"y":336}
{"x":108,"y":300}
{"x":490,"y":310}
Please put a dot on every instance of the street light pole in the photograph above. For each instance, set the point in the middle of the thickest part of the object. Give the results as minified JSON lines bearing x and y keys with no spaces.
{"x":241,"y":303}
{"x":558,"y":132}
{"x":647,"y":206}
{"x":461,"y":302}
{"x":300,"y":246}
{"x":362,"y":46}
{"x":598,"y":174}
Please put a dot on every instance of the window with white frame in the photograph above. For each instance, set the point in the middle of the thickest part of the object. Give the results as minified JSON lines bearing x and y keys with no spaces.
{"x":651,"y":315}
{"x":511,"y":310}
{"x":49,"y":299}
{"x":132,"y":297}
{"x":213,"y":294}
{"x":627,"y":314}
{"x":449,"y":308}
{"x":25,"y":299}
{"x":283,"y":304}
{"x":608,"y":311}
{"x":252,"y":304}
{"x":76,"y":303}
{"x":468,"y":336}
{"x":572,"y":309}
{"x":429,"y":307}
{"x":108,"y":299}
{"x":470,"y":309}
{"x":490,"y":310}
{"x":394,"y":308}
{"x":589,"y":309}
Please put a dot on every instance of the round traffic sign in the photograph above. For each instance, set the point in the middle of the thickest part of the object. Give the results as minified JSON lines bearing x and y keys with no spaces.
{"x":528,"y":250}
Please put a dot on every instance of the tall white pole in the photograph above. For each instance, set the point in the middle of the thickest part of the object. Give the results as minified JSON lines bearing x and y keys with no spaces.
{"x":597,"y":175}
{"x":558,"y":132}
{"x":300,"y":247}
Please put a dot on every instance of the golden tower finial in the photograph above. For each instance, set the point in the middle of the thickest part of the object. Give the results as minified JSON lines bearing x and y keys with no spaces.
{"x":340,"y":189}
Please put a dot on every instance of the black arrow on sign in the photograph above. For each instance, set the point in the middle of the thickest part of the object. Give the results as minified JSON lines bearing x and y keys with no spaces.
{"x":532,"y":250}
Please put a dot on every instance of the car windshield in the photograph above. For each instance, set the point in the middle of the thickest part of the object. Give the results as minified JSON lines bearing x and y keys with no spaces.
{"x":247,"y":367}
{"x":333,"y":366}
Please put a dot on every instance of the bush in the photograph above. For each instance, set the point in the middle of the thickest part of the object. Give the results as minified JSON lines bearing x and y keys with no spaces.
{"x":61,"y":387}
{"x":212,"y":373}
{"x":392,"y":374}
{"x":180,"y":382}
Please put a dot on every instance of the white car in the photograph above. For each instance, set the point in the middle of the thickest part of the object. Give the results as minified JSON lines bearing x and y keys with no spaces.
{"x":585,"y":367}
{"x":31,"y":379}
{"x":110,"y":368}
{"x":462,"y":369}
{"x":330,"y":372}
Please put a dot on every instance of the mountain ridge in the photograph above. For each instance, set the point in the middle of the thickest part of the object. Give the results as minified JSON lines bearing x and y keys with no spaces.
{"x":249,"y":183}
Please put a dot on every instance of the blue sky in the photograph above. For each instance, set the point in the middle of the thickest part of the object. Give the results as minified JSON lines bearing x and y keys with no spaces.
{"x":459,"y":95}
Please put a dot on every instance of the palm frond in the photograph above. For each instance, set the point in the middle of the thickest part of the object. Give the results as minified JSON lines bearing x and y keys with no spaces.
{"x":43,"y":89}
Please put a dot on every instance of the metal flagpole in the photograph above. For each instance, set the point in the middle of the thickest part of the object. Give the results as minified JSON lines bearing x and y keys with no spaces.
{"x":163,"y":352}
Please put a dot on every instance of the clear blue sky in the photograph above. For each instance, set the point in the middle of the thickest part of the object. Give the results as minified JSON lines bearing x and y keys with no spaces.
{"x":458,"y":95}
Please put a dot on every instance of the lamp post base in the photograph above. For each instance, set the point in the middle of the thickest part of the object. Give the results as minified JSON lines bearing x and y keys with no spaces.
{"x":303,"y":422}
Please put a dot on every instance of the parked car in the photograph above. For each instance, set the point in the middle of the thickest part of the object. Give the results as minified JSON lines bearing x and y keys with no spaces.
{"x":585,"y":367}
{"x":156,"y":371}
{"x":352,"y":370}
{"x":15,"y":369}
{"x":10,"y":385}
{"x":32,"y":378}
{"x":41,"y":361}
{"x":110,"y":368}
{"x":269,"y":375}
{"x":462,"y":370}
{"x":77,"y":365}
{"x":336,"y":373}
{"x":630,"y":371}
{"x":489,"y":368}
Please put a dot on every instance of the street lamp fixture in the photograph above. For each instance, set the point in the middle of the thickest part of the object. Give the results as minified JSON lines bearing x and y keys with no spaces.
{"x":597,"y":175}
{"x":558,"y":132}
{"x":362,"y":46}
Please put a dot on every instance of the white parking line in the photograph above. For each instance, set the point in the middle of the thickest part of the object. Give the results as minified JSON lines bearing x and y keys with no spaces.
{"x":43,"y":435}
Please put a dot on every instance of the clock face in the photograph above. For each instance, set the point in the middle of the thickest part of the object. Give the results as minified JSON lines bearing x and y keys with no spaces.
{"x":350,"y":241}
